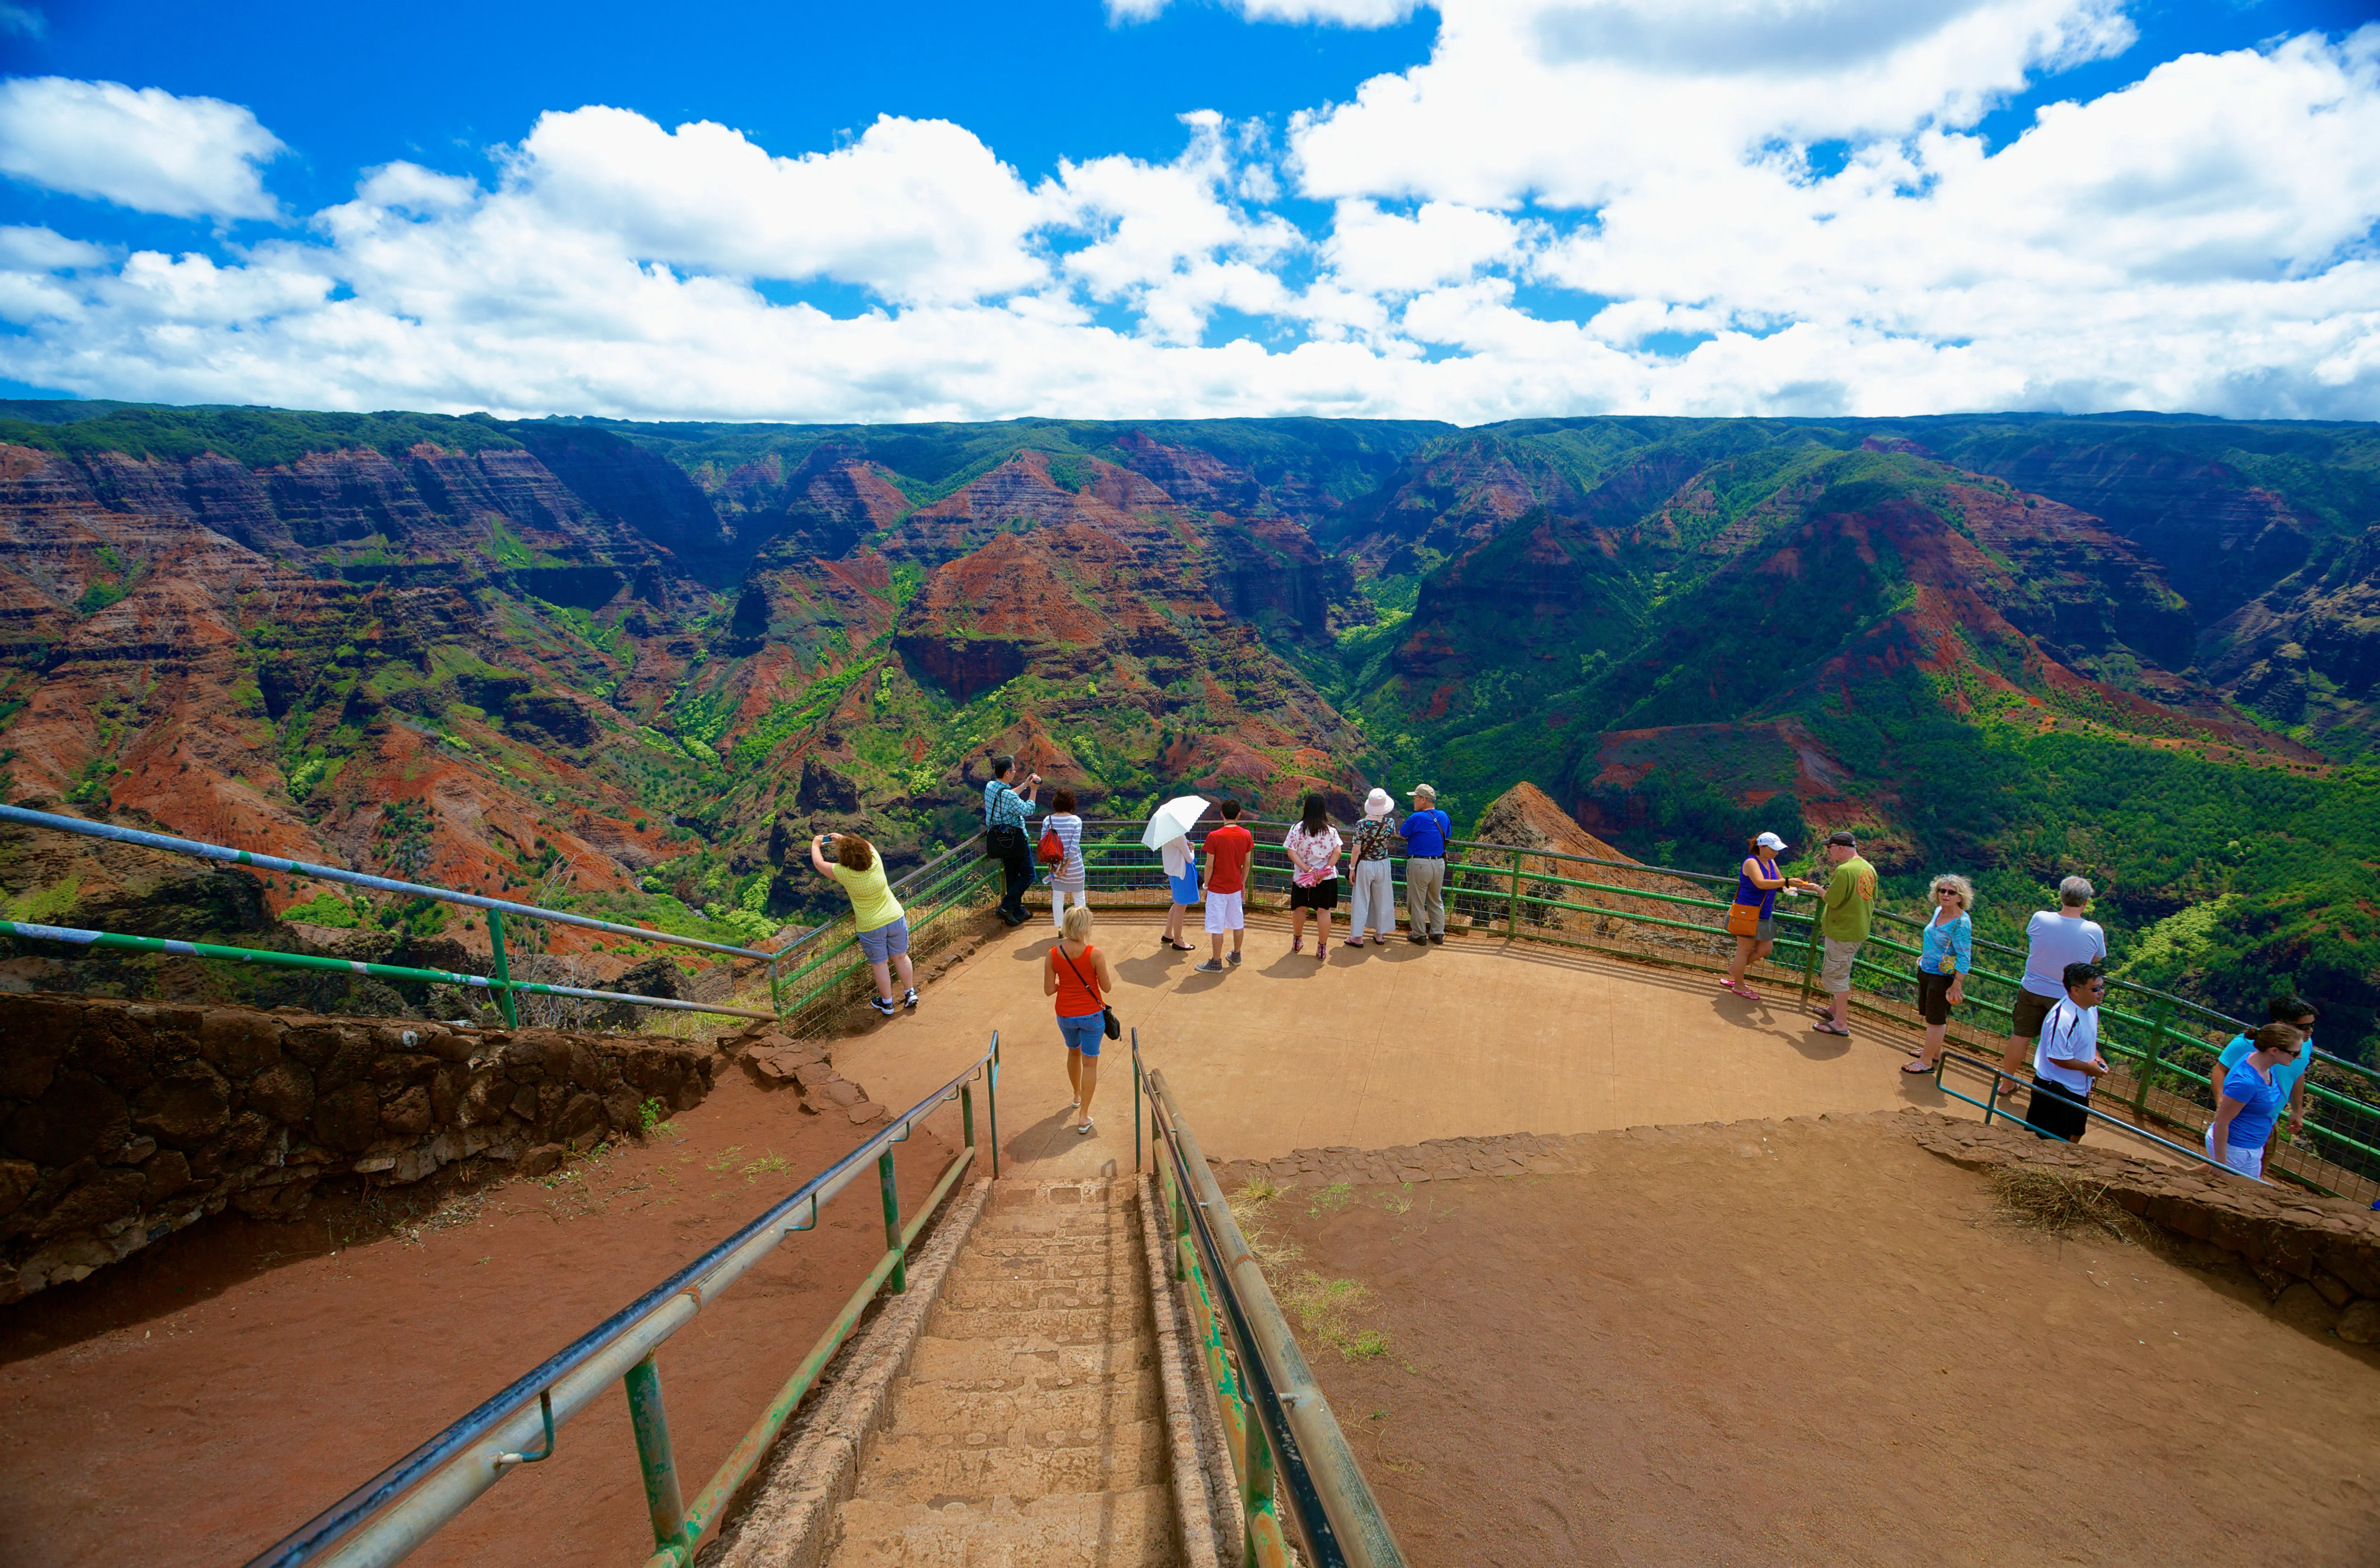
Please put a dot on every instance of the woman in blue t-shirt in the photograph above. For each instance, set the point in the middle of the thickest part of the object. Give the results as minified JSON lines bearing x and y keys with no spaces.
{"x":2251,"y":1101}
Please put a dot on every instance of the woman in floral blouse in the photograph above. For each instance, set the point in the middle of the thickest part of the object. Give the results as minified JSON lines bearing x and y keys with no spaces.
{"x":1375,"y":894}
{"x":1313,"y":845}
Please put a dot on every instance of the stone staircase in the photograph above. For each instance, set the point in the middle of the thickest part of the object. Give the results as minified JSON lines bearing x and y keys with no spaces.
{"x":1030,"y":1429}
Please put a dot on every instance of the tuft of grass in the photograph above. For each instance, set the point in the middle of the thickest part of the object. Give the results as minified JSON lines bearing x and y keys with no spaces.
{"x":1399,"y":1201}
{"x":1330,"y":1198}
{"x":2060,"y":1203}
{"x":727,"y":1157}
{"x":1324,"y":1309}
{"x":652,"y":1120}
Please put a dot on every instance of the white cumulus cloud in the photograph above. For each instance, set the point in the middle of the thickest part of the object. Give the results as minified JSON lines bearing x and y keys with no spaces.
{"x":1705,"y":207}
{"x":147,"y":149}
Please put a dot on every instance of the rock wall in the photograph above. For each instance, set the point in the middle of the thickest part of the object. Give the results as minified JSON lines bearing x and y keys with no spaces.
{"x":2325,"y":1252}
{"x":121,"y":1123}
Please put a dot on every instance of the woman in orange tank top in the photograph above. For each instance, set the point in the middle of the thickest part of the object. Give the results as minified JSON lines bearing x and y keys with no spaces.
{"x":1077,"y":975}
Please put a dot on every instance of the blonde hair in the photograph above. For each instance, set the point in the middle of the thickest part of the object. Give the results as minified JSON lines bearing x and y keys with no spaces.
{"x":1957,"y":885}
{"x":1077,"y":928}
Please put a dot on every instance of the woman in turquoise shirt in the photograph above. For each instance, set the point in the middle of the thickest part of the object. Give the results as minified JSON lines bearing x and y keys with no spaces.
{"x":1950,"y":948}
{"x":2298,"y":1015}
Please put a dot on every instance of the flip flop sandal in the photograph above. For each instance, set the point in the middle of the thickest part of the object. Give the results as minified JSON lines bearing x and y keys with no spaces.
{"x":1828,"y":1027}
{"x":1917,"y":1069}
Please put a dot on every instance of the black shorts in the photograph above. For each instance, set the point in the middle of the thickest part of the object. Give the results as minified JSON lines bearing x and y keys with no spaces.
{"x":2025,"y":1019}
{"x":1933,"y":997}
{"x":2057,"y":1111}
{"x":1323,"y":894}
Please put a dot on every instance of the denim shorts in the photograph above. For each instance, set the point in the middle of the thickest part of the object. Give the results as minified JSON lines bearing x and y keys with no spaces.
{"x":885,"y":941}
{"x":1084,"y":1034}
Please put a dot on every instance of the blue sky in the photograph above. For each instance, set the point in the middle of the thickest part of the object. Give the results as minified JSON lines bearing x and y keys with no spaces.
{"x":1552,"y":208}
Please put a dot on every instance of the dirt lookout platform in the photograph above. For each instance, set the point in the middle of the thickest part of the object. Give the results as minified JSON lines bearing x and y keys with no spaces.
{"x":1687,"y":1289}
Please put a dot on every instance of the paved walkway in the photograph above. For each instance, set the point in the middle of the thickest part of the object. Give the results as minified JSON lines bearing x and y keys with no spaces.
{"x":1377,"y":1047}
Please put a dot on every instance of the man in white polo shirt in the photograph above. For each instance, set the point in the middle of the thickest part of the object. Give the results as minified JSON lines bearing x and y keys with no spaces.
{"x":2052,"y":942}
{"x":2067,"y":1061}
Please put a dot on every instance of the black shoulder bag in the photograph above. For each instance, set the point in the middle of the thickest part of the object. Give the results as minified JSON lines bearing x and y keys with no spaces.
{"x":1114,"y":1029}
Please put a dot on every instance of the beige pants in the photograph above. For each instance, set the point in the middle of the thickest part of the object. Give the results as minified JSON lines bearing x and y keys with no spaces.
{"x":1426,"y":898}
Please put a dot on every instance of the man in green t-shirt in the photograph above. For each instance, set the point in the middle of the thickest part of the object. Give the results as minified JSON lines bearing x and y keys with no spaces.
{"x":1851,"y":900}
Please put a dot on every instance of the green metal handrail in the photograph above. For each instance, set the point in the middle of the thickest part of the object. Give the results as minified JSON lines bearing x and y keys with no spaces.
{"x":1297,"y":1475}
{"x":389,"y":1516}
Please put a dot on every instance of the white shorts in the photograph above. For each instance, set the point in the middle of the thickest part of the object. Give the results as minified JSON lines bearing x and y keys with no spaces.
{"x":2247,"y":1161}
{"x":1223,"y":912}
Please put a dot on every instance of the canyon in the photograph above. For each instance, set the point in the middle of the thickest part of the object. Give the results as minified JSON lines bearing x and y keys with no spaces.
{"x":629,"y":667}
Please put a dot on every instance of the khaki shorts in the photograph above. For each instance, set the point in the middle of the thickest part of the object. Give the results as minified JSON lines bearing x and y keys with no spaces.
{"x":2025,"y":1017}
{"x":1835,"y":973}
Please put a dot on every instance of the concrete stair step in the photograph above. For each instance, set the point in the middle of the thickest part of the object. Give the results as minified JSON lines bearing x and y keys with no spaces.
{"x":1122,"y":1230}
{"x":1062,"y":1197}
{"x":966,"y":1291}
{"x":1118,"y":1529}
{"x":1023,"y":1361}
{"x":1077,"y":1413}
{"x":1048,"y":1260}
{"x":1118,"y":1321}
{"x":941,"y":1468}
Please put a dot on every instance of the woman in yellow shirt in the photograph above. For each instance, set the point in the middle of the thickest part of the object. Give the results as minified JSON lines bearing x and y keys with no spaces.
{"x":883,"y":929}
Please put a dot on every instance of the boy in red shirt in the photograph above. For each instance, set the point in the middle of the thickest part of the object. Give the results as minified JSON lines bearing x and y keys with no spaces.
{"x":1228,"y":848}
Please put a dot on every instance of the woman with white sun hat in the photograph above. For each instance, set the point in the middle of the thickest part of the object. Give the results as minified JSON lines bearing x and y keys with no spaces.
{"x":1376,"y":895}
{"x":1752,"y":917}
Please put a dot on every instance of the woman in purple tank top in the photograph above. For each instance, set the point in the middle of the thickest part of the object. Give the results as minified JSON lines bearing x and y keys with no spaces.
{"x":1751,"y":919}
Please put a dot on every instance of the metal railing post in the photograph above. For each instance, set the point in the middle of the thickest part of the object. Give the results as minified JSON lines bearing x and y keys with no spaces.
{"x":991,"y":1101}
{"x":2161,"y":1020}
{"x":1809,"y":956}
{"x":504,"y":974}
{"x":893,"y":1223}
{"x":1136,"y":1098}
{"x":776,"y":988}
{"x":1512,"y":902}
{"x":655,"y":1456}
{"x":967,"y":1115}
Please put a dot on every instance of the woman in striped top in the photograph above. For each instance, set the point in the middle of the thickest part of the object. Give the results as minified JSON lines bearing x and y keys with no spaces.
{"x":1071,"y":875}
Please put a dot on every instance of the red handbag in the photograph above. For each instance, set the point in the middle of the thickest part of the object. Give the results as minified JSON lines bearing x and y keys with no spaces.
{"x":1053,"y":848}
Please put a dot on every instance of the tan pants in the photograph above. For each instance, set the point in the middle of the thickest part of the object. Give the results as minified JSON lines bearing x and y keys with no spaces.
{"x":1425,"y":896}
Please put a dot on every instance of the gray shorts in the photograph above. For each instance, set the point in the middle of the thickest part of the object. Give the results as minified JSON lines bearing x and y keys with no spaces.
{"x":885,"y":941}
{"x":1834,"y":973}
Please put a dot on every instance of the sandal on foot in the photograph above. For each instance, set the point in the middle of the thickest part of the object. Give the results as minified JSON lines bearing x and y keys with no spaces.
{"x":1083,"y":1131}
{"x":1917,"y":1069}
{"x":1828,"y":1027}
{"x":1320,"y":949}
{"x":1297,"y":944}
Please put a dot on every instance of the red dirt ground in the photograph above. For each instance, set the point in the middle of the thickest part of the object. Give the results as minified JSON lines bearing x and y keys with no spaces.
{"x":1814,"y":1342}
{"x":210,"y":1394}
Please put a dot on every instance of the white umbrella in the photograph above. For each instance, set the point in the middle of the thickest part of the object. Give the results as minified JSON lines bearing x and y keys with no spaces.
{"x":1172,"y":820}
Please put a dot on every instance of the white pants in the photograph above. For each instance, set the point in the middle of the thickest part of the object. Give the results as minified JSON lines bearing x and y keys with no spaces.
{"x":1376,"y":902}
{"x":1058,"y":904}
{"x":1425,"y":896}
{"x":2247,"y":1161}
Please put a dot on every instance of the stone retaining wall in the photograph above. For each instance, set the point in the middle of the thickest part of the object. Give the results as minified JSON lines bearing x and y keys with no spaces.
{"x":121,"y":1123}
{"x":2292,"y":1240}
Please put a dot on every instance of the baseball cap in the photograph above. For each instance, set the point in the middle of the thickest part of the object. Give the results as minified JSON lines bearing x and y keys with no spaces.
{"x":1845,"y":839}
{"x":1769,"y":841}
{"x":1423,"y":789}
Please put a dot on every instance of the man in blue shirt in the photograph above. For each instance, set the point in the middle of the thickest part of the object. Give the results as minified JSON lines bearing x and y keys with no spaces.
{"x":1426,"y":832}
{"x":2289,"y":1076}
{"x":1004,"y":811}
